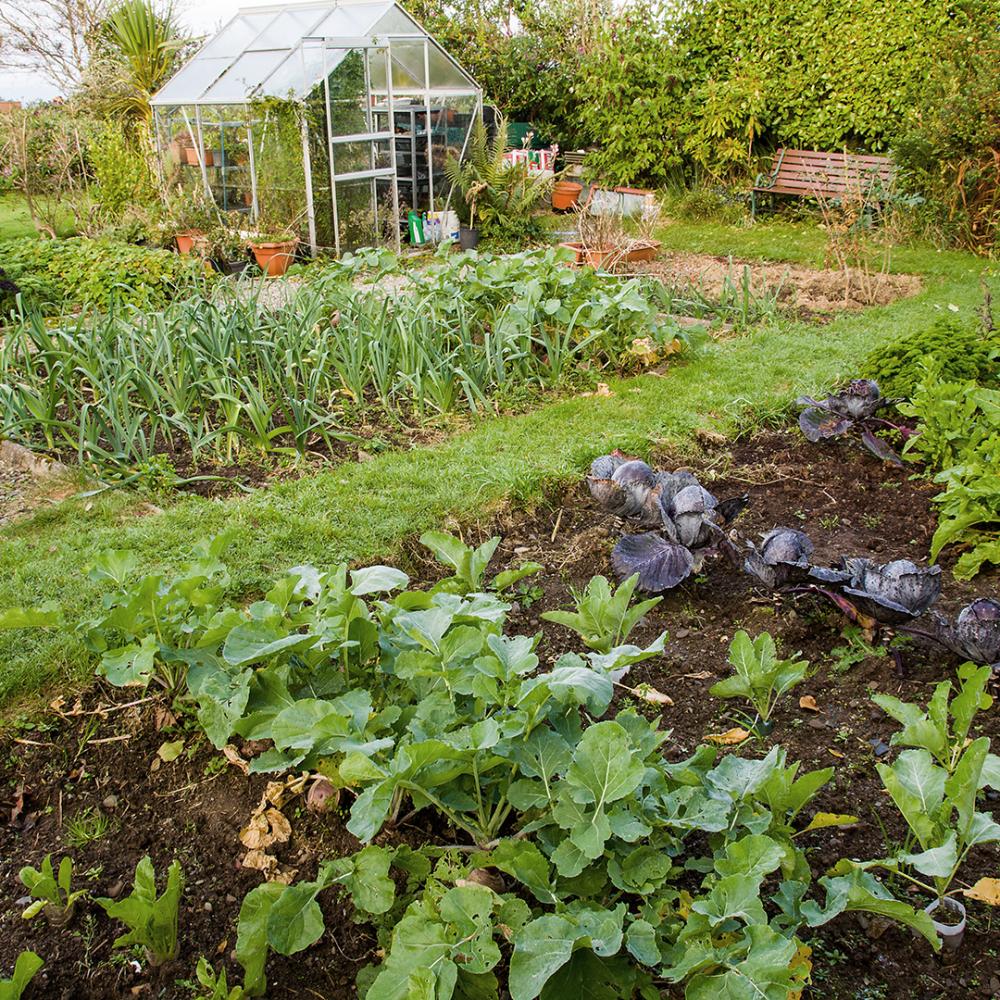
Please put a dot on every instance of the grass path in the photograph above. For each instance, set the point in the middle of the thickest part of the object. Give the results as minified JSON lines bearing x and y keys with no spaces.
{"x":364,"y":511}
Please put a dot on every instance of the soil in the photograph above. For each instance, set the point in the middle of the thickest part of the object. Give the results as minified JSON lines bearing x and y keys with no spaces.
{"x":808,"y":292}
{"x":100,"y":753}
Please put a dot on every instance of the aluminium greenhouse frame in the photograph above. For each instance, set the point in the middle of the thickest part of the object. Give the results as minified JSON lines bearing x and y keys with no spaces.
{"x":379,"y":111}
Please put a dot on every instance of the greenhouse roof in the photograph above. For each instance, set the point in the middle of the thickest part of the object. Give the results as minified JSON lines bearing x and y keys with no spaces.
{"x":285,"y":50}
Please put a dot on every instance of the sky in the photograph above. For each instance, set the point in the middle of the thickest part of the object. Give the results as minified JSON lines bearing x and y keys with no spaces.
{"x":198,"y":16}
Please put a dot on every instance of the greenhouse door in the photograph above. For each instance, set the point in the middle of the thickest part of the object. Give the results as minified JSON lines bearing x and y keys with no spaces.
{"x":362,"y":156}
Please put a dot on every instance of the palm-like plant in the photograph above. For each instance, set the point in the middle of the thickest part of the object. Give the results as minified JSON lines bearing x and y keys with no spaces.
{"x":143,"y":40}
{"x":504,"y":195}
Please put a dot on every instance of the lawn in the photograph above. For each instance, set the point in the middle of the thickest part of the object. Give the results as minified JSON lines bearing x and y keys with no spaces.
{"x":363,"y":512}
{"x":15,"y":219}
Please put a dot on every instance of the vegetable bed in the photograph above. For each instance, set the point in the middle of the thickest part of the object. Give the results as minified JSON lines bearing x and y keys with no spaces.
{"x":115,"y":776}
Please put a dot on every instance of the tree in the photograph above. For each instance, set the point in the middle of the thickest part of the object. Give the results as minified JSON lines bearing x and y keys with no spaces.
{"x":50,"y":37}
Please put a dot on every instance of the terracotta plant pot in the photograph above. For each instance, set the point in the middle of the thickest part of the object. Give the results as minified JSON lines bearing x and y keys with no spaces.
{"x":578,"y":251}
{"x":565,"y":194}
{"x":185,"y":240}
{"x":644,"y":251}
{"x":191,"y":156}
{"x":274,"y":259}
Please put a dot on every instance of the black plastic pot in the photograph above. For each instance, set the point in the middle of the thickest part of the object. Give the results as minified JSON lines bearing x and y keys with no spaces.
{"x":230,"y":266}
{"x":468,"y":239}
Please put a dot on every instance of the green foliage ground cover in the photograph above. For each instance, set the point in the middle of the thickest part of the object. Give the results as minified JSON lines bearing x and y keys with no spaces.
{"x":60,"y":275}
{"x":364,"y":511}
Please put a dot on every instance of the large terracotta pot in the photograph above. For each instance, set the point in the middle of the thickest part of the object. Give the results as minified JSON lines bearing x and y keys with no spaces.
{"x":274,"y":259}
{"x":565,"y":194}
{"x":185,"y":240}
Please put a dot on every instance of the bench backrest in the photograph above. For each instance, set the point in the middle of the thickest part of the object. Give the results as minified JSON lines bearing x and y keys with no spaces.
{"x":806,"y":172}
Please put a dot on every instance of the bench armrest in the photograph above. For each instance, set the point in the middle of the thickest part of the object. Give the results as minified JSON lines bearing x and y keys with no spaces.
{"x":765,"y":181}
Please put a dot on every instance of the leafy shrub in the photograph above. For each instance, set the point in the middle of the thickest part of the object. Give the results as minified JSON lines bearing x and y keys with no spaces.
{"x":498,"y":197}
{"x":949,"y":147}
{"x":960,"y":352}
{"x":58,"y":275}
{"x":959,"y":437}
{"x":122,"y":176}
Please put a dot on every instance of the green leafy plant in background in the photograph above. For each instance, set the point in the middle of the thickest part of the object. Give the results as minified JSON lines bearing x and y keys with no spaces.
{"x":498,"y":197}
{"x":760,"y":676}
{"x":959,"y":352}
{"x":56,"y":275}
{"x":958,"y":437}
{"x":603,"y":617}
{"x":52,"y":893}
{"x":936,"y":782}
{"x":470,"y":564}
{"x":25,"y":968}
{"x":151,"y":919}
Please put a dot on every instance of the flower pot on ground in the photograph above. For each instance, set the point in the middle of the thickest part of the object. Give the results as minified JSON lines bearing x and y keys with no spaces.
{"x":190,"y":156}
{"x":186,"y":239}
{"x":565,"y":194}
{"x":274,"y":254}
{"x":468,"y":237}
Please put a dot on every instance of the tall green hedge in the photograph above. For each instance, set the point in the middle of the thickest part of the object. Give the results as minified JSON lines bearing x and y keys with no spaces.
{"x":667,"y":89}
{"x":64,"y":275}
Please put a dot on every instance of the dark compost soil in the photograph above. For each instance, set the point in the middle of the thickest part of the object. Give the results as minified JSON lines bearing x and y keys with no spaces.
{"x":100,"y":754}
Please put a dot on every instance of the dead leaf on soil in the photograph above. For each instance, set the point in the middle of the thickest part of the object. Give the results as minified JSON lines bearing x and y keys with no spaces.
{"x":808,"y":702}
{"x":823,"y":820}
{"x":834,"y":753}
{"x":986,"y":890}
{"x":266,"y":827}
{"x":654,"y":697}
{"x":164,"y":718}
{"x":268,"y":864}
{"x":233,"y":756}
{"x":729,"y":738}
{"x":702,"y":675}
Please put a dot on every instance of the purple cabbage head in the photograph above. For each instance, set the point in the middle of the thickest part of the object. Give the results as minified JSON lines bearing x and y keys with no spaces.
{"x":892,"y":593}
{"x":783,"y":558}
{"x":661,"y":564}
{"x":976,"y":632}
{"x":822,"y":420}
{"x":689,"y":518}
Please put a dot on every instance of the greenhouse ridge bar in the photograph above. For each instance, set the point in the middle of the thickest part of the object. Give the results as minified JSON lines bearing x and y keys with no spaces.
{"x":334,"y":118}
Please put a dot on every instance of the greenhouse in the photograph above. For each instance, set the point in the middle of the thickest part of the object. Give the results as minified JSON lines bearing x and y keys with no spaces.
{"x":333,"y":119}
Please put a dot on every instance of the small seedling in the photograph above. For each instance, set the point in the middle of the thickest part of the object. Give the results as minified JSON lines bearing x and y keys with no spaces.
{"x":603,"y":619}
{"x":51,"y":893}
{"x":152,"y":920}
{"x":760,"y":677}
{"x":212,"y":985}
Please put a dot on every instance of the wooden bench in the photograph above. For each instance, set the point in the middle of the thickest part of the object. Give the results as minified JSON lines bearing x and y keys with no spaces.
{"x":806,"y":173}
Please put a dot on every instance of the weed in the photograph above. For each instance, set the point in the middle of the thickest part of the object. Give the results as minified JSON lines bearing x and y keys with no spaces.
{"x":86,"y":826}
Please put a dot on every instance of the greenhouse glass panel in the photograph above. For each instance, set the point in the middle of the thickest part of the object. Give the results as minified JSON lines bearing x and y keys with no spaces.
{"x":243,"y":78}
{"x":190,"y":82}
{"x":236,"y":36}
